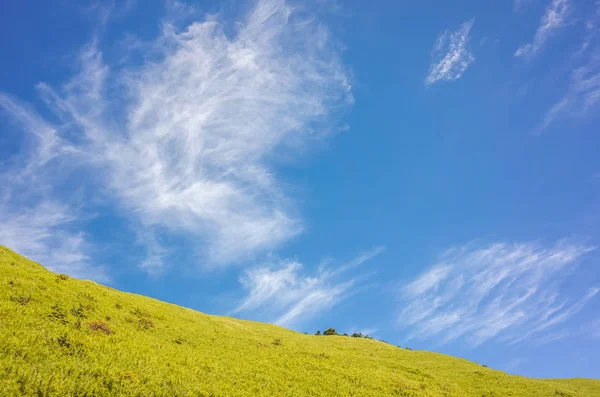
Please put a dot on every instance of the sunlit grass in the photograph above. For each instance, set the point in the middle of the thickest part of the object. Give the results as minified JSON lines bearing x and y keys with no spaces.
{"x":65,"y":337}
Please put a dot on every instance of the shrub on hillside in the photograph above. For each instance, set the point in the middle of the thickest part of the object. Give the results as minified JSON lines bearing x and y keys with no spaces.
{"x":330,"y":331}
{"x":318,"y":333}
{"x":61,"y":277}
{"x":277,"y":342}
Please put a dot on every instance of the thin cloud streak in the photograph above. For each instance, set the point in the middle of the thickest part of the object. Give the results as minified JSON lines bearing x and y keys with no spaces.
{"x":451,"y":55}
{"x":287,"y":295}
{"x":555,"y":17}
{"x":364,"y":331}
{"x":42,"y":234}
{"x":503,"y":291}
{"x":583,"y":92}
{"x":187,"y":141}
{"x":34,"y":222}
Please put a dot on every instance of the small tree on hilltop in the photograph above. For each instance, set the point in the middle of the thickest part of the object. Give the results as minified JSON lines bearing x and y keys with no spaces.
{"x":357,"y":335}
{"x":318,"y":333}
{"x":330,"y":331}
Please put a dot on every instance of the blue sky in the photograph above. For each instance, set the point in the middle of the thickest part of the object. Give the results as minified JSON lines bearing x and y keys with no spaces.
{"x":424,"y":172}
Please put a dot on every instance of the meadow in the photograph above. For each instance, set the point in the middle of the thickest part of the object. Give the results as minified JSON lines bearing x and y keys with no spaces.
{"x":61,"y":336}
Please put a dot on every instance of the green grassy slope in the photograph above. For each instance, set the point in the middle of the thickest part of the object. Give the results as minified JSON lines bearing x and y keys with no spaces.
{"x":65,"y":337}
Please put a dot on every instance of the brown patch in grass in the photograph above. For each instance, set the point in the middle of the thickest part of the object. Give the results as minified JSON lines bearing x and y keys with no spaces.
{"x":100,"y":326}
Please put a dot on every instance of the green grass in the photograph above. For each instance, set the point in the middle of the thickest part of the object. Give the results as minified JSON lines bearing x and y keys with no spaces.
{"x":65,"y":337}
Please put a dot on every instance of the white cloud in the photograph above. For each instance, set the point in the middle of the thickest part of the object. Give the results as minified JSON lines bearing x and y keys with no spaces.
{"x":554,"y":18}
{"x":364,"y":331}
{"x":583,"y":91}
{"x":187,"y":141}
{"x":451,"y":55}
{"x":32,"y":222}
{"x":39,"y":233}
{"x":429,"y":280}
{"x":285,"y":294}
{"x":501,"y":291}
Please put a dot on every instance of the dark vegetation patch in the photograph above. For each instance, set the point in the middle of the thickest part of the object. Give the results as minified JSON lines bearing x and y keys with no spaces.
{"x":69,"y":346}
{"x":87,"y":296}
{"x":89,"y":302}
{"x":79,"y":312}
{"x":277,"y":342}
{"x":21,"y":299}
{"x":58,"y":314}
{"x":61,"y":277}
{"x":145,"y":324}
{"x":142,"y":319}
{"x":129,"y":376}
{"x":141,"y":313}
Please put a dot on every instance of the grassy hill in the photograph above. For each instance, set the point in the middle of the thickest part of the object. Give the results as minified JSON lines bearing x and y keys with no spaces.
{"x":65,"y":337}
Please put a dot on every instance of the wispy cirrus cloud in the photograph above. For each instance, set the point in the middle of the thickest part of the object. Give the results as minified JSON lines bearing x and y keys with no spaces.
{"x":286,"y":294}
{"x":451,"y":56}
{"x":33,"y":220}
{"x":583,"y":94}
{"x":504,"y":291}
{"x":364,"y":331}
{"x":583,"y":91}
{"x":42,"y":233}
{"x":186,"y":142}
{"x":555,"y":17}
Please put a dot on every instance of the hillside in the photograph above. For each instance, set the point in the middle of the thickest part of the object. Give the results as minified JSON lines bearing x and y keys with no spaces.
{"x":65,"y":337}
